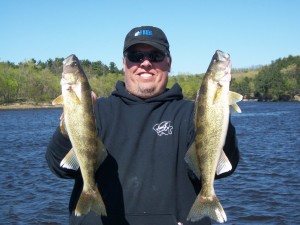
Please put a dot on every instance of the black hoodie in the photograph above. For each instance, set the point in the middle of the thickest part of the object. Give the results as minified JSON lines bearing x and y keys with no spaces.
{"x":144,"y":180}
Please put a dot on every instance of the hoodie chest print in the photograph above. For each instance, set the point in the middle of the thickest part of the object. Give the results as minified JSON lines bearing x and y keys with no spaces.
{"x":163,"y":128}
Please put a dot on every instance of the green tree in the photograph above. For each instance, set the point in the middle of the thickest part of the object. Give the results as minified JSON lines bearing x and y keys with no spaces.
{"x":87,"y":67}
{"x":113,"y":68}
{"x":8,"y":83}
{"x":279,"y":80}
{"x":55,"y":66}
{"x":242,"y":86}
{"x":99,"y":68}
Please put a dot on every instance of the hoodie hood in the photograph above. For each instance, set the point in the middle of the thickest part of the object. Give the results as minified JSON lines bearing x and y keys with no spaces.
{"x":174,"y":93}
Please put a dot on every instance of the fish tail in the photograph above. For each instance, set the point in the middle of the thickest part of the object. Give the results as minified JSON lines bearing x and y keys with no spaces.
{"x":90,"y":201}
{"x":207,"y":207}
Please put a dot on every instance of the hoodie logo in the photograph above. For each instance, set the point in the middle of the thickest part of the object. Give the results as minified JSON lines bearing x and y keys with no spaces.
{"x":163,"y":128}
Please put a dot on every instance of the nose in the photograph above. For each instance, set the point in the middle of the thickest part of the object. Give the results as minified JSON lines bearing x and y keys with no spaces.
{"x":146,"y":63}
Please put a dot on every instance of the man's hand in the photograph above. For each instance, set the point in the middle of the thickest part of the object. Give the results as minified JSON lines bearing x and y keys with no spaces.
{"x":62,"y":125}
{"x":94,"y":97}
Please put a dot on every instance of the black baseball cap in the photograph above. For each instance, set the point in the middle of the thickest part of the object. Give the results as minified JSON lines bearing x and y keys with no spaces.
{"x":147,"y":35}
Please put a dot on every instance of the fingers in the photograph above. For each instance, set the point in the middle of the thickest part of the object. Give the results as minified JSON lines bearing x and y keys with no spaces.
{"x":94,"y":97}
{"x":62,"y":126}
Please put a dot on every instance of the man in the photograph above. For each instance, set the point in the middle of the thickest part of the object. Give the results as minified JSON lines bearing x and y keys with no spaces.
{"x":146,"y":129}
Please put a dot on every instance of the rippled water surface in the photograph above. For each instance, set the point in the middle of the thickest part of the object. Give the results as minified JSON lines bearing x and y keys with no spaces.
{"x":265,"y":189}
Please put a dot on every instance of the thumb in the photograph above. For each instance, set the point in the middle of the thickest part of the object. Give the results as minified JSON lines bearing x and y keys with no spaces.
{"x":94,"y":97}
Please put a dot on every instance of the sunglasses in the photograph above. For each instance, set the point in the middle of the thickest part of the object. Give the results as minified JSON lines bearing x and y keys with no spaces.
{"x":136,"y":56}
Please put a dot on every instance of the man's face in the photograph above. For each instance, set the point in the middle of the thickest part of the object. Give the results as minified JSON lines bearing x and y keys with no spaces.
{"x":146,"y":78}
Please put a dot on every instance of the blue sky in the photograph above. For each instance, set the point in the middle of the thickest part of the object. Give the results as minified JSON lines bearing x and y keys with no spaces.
{"x":253,"y":32}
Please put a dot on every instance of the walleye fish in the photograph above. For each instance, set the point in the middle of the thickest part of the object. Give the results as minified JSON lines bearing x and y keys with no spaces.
{"x":206,"y":157}
{"x":79,"y":124}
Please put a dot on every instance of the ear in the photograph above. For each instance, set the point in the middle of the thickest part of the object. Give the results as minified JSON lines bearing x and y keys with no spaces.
{"x":169,"y":63}
{"x":124,"y":65}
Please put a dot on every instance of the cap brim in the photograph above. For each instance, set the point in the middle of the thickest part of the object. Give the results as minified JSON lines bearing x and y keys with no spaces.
{"x":153,"y":44}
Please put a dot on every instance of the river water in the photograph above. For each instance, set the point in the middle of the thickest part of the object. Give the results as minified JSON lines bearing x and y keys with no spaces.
{"x":265,"y":189}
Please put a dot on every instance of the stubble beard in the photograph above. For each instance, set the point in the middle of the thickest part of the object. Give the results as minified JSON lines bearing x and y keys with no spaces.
{"x":146,"y":92}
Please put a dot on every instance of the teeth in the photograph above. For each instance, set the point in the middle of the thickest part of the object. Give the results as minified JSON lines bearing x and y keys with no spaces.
{"x":146,"y":75}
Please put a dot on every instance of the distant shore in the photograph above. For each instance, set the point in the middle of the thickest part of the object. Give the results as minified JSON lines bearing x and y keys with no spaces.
{"x":28,"y":106}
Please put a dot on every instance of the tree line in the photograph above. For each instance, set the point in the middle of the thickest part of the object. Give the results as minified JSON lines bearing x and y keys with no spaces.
{"x":279,"y":81}
{"x":38,"y":82}
{"x":33,"y":81}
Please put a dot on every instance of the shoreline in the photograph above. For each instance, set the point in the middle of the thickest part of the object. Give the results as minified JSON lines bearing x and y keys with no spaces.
{"x":13,"y":106}
{"x":29,"y":105}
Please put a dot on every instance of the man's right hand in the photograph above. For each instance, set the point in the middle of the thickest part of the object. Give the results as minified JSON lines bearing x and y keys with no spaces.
{"x":62,"y":125}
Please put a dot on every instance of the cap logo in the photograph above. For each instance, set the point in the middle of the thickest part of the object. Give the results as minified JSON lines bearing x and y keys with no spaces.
{"x":143,"y":33}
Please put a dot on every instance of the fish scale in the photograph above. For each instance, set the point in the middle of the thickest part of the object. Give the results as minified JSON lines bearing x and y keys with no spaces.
{"x":206,"y":157}
{"x":79,"y":125}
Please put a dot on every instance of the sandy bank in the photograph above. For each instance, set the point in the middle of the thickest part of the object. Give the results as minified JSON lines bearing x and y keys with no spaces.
{"x":28,"y":106}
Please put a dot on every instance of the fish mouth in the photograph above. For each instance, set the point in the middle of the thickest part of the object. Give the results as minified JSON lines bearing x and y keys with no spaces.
{"x":223,"y":73}
{"x":71,"y":65}
{"x":70,"y":60}
{"x":222,"y":56}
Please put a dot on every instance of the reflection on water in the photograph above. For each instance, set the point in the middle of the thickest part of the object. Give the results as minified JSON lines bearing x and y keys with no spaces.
{"x":265,"y":188}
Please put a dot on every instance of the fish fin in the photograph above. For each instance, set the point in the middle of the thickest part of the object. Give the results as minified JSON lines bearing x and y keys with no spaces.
{"x":235,"y":108}
{"x":207,"y":206}
{"x":224,"y":164}
{"x":70,"y":161}
{"x":234,"y":97}
{"x":74,"y":97}
{"x":90,"y":200}
{"x":191,"y":159}
{"x":58,"y":101}
{"x":76,"y":100}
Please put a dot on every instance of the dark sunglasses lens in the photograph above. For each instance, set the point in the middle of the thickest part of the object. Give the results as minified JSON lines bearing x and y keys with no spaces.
{"x":157,"y":56}
{"x":135,"y":56}
{"x":140,"y":56}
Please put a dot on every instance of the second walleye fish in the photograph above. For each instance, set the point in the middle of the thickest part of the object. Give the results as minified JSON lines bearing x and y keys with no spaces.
{"x":206,"y":156}
{"x":79,"y":124}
